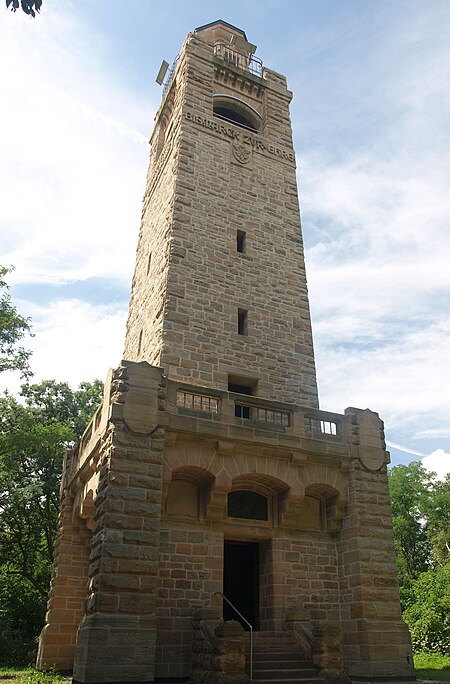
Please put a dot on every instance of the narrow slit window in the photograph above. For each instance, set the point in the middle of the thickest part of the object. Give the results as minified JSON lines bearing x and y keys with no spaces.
{"x":149,"y":263}
{"x":242,"y":322}
{"x":140,"y":342}
{"x":240,"y":241}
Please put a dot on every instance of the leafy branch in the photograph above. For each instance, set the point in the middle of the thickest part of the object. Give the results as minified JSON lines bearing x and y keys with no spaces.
{"x":28,"y":6}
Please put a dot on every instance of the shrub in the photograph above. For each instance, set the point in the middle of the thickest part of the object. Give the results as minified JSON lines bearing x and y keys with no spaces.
{"x":428,"y":618}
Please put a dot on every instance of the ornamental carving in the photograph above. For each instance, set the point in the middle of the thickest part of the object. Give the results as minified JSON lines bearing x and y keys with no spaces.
{"x":242,"y":153}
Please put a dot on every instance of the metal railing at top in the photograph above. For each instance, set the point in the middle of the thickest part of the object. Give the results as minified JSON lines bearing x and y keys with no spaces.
{"x":229,"y":54}
{"x":219,"y":593}
{"x":170,"y":74}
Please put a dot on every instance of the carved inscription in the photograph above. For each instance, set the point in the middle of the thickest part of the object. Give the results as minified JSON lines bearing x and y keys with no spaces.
{"x":244,"y":138}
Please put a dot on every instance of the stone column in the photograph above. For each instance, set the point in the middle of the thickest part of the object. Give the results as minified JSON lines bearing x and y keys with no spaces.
{"x":376,"y":640}
{"x":68,"y":590}
{"x":116,"y":640}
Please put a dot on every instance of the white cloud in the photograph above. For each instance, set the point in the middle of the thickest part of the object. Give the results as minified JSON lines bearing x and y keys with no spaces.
{"x":72,"y":168}
{"x":373,"y":184}
{"x":376,"y":221}
{"x":439,"y":462}
{"x":73,"y":341}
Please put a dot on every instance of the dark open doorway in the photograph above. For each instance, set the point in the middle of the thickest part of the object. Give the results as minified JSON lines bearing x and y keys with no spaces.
{"x":241,"y":582}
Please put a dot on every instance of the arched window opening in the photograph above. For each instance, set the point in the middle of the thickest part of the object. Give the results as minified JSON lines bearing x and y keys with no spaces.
{"x":237,"y":112}
{"x":248,"y":505}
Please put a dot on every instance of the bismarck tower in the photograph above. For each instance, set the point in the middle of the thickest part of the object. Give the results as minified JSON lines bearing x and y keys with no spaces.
{"x":209,"y":489}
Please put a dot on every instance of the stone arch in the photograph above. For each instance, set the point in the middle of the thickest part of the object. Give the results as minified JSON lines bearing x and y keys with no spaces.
{"x":236,"y":111}
{"x":187,"y":492}
{"x":271,"y":488}
{"x":330,"y":503}
{"x":180,"y":455}
{"x":262,"y":482}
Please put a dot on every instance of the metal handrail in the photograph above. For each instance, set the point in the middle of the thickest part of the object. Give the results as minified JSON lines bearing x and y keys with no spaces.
{"x":219,"y":593}
{"x":170,"y":74}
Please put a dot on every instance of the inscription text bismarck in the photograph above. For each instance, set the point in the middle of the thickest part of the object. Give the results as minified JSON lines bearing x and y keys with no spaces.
{"x":245,"y":138}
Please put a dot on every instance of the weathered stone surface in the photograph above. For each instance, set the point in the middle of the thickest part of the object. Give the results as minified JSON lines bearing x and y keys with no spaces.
{"x":139,"y":572}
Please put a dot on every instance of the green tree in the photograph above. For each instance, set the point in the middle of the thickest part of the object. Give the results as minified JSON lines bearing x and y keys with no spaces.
{"x":33,"y":440}
{"x":28,"y":6}
{"x":421,"y":519}
{"x":56,"y":402}
{"x":409,"y":488}
{"x":428,"y":617}
{"x":13,"y":328}
{"x":437,"y":512}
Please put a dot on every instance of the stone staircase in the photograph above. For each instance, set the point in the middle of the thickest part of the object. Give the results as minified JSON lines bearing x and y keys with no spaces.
{"x":276,"y":660}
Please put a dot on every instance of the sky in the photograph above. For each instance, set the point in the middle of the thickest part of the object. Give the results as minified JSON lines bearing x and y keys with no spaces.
{"x":370,"y":115}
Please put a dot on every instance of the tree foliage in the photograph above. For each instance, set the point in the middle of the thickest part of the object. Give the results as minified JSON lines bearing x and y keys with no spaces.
{"x":421,"y":520}
{"x":28,"y":6}
{"x":13,"y":328}
{"x":33,"y":438}
{"x":428,"y":617}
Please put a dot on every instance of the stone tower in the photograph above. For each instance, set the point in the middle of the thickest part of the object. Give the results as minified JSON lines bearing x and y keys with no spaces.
{"x":219,"y":292}
{"x":209,"y":486}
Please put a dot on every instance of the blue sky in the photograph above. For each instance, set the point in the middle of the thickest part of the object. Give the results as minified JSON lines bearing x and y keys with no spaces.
{"x":370,"y":113}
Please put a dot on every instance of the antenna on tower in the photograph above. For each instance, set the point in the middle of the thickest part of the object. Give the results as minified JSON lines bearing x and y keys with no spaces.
{"x":162,"y":72}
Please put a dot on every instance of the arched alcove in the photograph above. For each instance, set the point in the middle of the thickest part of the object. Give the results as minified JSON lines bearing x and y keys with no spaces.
{"x":185,"y":494}
{"x":236,"y":111}
{"x":321,"y":508}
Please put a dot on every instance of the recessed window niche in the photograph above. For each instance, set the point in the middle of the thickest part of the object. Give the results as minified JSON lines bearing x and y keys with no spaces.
{"x":248,"y":505}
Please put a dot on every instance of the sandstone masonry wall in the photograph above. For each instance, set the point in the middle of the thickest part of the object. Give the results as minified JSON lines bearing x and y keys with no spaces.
{"x":198,"y":287}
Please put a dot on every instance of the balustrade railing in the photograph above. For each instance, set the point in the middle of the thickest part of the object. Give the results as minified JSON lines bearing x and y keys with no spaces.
{"x":317,"y":426}
{"x":197,"y":402}
{"x":229,"y":54}
{"x":262,"y":414}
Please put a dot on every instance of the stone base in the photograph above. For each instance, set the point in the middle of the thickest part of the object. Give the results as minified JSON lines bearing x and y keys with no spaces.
{"x":114,"y":648}
{"x":383,"y":680}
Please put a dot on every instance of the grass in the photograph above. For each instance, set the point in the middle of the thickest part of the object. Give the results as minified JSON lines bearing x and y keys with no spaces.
{"x":432,"y":667}
{"x":429,"y":667}
{"x":11,"y":675}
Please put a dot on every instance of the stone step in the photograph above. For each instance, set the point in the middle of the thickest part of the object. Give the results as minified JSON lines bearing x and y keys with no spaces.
{"x":283,"y":636}
{"x":284,"y":668}
{"x":313,"y":680}
{"x":281,"y":657}
{"x":276,"y":660}
{"x":286,"y":673}
{"x":271,"y":664}
{"x":271,"y":642}
{"x":274,"y":648}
